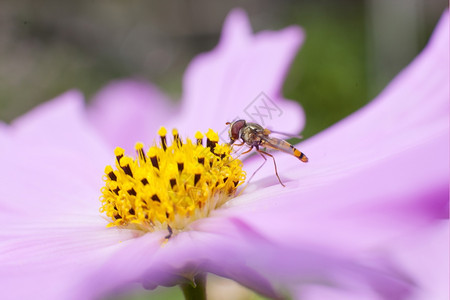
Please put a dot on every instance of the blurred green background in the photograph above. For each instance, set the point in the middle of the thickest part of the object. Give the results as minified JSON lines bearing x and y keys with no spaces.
{"x":352,"y":50}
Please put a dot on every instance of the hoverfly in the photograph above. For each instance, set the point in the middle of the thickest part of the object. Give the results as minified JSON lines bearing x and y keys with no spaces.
{"x":256,"y":136}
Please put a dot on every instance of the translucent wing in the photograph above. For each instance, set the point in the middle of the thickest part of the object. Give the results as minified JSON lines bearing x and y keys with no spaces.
{"x":282,"y":145}
{"x":288,"y":135}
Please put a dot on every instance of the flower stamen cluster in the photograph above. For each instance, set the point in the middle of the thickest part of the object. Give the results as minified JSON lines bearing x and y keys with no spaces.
{"x":170,"y":186}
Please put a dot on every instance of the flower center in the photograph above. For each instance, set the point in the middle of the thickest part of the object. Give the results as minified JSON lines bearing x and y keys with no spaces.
{"x":170,"y":186}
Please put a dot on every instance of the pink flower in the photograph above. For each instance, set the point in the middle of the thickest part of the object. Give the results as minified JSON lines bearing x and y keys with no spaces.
{"x":376,"y":183}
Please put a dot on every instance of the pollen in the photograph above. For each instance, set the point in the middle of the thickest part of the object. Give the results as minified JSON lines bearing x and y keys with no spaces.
{"x":168,"y":187}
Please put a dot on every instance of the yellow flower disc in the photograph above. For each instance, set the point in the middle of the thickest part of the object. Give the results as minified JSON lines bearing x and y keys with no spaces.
{"x":170,"y":186}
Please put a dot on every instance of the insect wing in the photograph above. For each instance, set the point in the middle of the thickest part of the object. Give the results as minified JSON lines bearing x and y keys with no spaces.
{"x":282,"y":145}
{"x":276,"y":144}
{"x":288,"y":135}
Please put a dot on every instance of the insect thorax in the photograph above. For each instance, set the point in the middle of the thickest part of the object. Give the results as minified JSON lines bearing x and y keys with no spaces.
{"x":251,"y":134}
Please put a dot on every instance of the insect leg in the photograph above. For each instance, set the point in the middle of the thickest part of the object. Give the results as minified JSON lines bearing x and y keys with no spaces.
{"x":261,"y":152}
{"x":238,"y":145}
{"x":245,"y":152}
{"x":259,"y":168}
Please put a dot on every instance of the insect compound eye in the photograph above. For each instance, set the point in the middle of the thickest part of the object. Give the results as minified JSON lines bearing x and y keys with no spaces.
{"x":235,"y":128}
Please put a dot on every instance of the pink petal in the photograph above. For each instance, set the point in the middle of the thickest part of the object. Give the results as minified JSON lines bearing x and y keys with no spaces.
{"x":232,"y":249}
{"x":54,"y":160}
{"x":127,"y":111}
{"x":316,"y":228}
{"x":354,"y":212}
{"x":228,"y":82}
{"x":366,"y":190}
{"x":126,"y":265}
{"x":425,"y":256}
{"x":60,"y":122}
{"x":411,"y":111}
{"x":375,"y":177}
{"x":48,"y":256}
{"x":241,"y":78}
{"x":5,"y":138}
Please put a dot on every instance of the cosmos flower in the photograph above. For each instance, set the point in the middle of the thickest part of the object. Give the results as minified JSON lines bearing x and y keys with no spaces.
{"x":342,"y":228}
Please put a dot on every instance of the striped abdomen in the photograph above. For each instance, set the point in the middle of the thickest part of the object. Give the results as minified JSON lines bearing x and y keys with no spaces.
{"x":282,"y":145}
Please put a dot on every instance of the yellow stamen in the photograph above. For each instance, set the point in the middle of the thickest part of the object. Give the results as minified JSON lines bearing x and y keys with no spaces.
{"x":169,"y":187}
